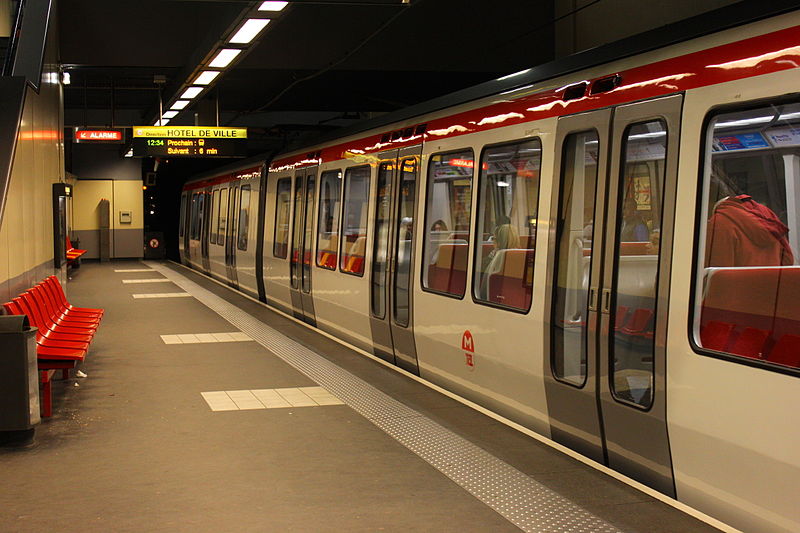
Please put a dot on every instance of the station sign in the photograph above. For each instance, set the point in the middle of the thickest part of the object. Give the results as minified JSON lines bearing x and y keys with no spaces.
{"x":189,"y":141}
{"x":98,"y":136}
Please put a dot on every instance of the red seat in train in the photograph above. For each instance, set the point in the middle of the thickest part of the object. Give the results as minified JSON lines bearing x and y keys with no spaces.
{"x":507,"y":283}
{"x":639,"y":323}
{"x":446,"y":275}
{"x":716,"y":335}
{"x":787,"y":308}
{"x":745,"y":297}
{"x":786,"y":351}
{"x":634,"y":248}
{"x":750,"y":343}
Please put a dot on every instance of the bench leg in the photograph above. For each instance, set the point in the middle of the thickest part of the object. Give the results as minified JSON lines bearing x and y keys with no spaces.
{"x":47,"y":395}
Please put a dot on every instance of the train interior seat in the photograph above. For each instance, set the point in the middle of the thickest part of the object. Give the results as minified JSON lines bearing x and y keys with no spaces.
{"x":449,"y":271}
{"x":753,"y":312}
{"x":327,"y":247}
{"x":353,"y":260}
{"x":507,"y":278}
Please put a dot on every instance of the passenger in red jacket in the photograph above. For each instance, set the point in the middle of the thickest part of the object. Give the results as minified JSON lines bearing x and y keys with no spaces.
{"x":743,"y":232}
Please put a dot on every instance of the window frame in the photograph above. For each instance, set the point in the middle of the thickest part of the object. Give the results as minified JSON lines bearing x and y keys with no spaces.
{"x":343,"y":210}
{"x":320,"y":221}
{"x":242,"y":190}
{"x":288,"y":217}
{"x":426,"y":222}
{"x":213,"y":236}
{"x":476,"y":237}
{"x":698,"y":254}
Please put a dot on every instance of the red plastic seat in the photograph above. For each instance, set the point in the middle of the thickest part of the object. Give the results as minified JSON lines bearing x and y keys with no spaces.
{"x":638,"y":322}
{"x":47,"y":289}
{"x":48,"y":348}
{"x":750,"y":343}
{"x":52,"y":338}
{"x":786,"y":351}
{"x":31,"y":308}
{"x":715,"y":335}
{"x":619,"y":316}
{"x":58,"y":291}
{"x":55,"y":310}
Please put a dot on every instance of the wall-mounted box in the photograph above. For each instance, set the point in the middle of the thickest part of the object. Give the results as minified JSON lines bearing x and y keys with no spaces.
{"x":125,"y":217}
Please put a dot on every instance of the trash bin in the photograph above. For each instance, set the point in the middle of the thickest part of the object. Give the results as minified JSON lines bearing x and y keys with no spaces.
{"x":19,"y":374}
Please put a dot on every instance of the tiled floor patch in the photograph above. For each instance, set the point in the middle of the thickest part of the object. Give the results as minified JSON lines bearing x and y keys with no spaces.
{"x":240,"y":400}
{"x":155,"y":280}
{"x":133,"y":270}
{"x":163,"y":295}
{"x":194,"y":338}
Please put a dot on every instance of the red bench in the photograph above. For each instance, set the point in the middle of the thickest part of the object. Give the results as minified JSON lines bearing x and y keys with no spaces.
{"x":64,"y":331}
{"x":73,"y":254}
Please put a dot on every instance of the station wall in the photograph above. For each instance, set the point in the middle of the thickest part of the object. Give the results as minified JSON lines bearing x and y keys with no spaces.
{"x":26,"y":228}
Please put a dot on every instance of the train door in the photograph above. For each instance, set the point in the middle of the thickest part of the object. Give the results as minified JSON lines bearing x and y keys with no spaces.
{"x":302,"y":244}
{"x":230,"y":234}
{"x":392,"y":275}
{"x":605,"y":377}
{"x":183,"y":237}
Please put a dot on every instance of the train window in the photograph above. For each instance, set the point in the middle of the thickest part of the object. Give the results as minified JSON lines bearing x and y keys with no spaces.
{"x":568,"y":329}
{"x":222,"y":222}
{"x":194,"y":217}
{"x":748,"y":278}
{"x":328,"y":222}
{"x":182,"y":222}
{"x":244,"y":217}
{"x":280,"y":245}
{"x":447,"y":226}
{"x":404,"y":241}
{"x":354,"y":222}
{"x":214,"y":216}
{"x":508,"y":197}
{"x":639,"y":210}
{"x":380,"y":253}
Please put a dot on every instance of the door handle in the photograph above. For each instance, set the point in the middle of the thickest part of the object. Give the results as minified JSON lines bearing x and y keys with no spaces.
{"x":606,"y":300}
{"x":593,"y":299}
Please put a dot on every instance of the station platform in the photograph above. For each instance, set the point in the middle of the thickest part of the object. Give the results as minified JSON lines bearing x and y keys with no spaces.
{"x":204,"y":410}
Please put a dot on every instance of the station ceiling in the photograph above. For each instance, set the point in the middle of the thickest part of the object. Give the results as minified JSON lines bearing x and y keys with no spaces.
{"x":318,"y":65}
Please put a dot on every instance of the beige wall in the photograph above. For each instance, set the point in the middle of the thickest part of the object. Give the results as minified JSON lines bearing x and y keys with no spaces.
{"x":26,"y":230}
{"x":123,"y":195}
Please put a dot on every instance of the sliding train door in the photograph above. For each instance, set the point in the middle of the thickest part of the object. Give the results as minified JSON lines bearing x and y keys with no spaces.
{"x":392,"y":274}
{"x":230,"y":234}
{"x":302,"y":241}
{"x":605,"y":378}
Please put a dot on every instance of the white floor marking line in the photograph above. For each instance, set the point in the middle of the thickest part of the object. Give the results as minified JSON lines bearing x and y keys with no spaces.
{"x":133,"y":270}
{"x":155,"y":280}
{"x":197,"y":338}
{"x":519,"y":498}
{"x":244,"y":400}
{"x":163,"y":295}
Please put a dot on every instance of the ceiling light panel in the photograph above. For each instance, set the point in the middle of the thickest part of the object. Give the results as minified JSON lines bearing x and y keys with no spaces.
{"x":206,"y":77}
{"x":249,"y":31}
{"x":191,"y":92}
{"x":224,"y":58}
{"x":180,"y":104}
{"x":169,"y":114}
{"x":272,"y":6}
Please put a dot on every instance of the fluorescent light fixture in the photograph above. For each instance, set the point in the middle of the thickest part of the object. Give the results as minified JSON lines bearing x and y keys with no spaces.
{"x":503,"y":184}
{"x":161,"y":122}
{"x":169,"y":114}
{"x":206,"y":77}
{"x":180,"y":104}
{"x":65,"y":78}
{"x":129,"y":153}
{"x":272,"y":6}
{"x":248,"y":31}
{"x":224,"y":57}
{"x":191,"y":92}
{"x":514,"y":75}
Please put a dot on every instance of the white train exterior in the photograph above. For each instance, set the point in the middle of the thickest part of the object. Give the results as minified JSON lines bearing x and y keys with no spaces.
{"x":548,"y":253}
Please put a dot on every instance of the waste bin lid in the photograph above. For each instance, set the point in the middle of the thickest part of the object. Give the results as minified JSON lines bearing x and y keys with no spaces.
{"x":13,"y":323}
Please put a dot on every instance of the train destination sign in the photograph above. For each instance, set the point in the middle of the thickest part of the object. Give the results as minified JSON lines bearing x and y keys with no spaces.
{"x":189,"y":141}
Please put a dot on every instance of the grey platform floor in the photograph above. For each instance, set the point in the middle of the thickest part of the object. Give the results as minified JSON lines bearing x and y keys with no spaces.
{"x":136,"y":448}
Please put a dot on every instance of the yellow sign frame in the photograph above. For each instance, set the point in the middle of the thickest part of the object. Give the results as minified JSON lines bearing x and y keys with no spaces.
{"x":189,"y":132}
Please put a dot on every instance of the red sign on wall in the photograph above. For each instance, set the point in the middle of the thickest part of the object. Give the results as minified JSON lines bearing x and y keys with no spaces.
{"x":468,"y":345}
{"x":98,"y":136}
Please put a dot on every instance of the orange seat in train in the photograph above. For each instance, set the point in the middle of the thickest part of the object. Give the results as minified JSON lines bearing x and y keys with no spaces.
{"x":786,"y":351}
{"x":750,"y":343}
{"x":716,"y":335}
{"x":353,"y":260}
{"x":507,"y":284}
{"x":634,"y":248}
{"x":449,"y":273}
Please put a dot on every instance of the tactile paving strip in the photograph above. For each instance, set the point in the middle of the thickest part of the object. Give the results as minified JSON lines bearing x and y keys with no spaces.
{"x":520,"y":499}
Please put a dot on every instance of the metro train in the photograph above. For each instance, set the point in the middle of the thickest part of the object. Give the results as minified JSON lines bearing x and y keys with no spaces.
{"x":608,"y":257}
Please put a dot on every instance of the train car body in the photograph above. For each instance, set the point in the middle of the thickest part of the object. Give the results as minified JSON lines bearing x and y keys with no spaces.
{"x":609,"y":258}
